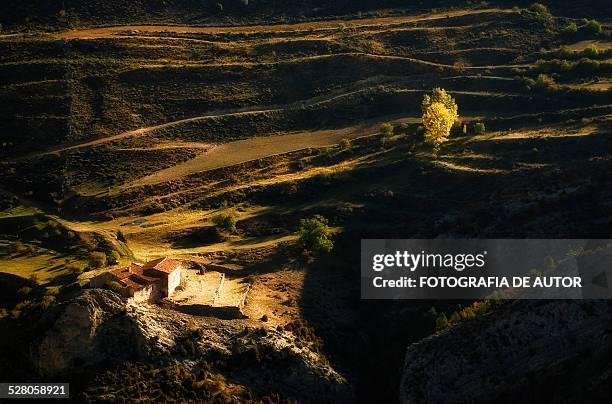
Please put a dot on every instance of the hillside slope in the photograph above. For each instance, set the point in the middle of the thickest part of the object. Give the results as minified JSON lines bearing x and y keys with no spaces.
{"x":49,"y":14}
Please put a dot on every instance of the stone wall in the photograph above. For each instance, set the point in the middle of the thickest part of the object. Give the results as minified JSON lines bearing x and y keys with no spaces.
{"x":174,"y":280}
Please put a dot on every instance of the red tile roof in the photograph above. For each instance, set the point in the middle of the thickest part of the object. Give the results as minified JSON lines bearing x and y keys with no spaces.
{"x":122,"y":273}
{"x":138,"y":276}
{"x":165,"y":265}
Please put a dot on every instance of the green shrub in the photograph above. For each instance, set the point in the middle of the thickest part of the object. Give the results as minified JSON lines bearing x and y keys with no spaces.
{"x":592,"y":27}
{"x":590,"y":51}
{"x":539,"y":8}
{"x":75,"y":268}
{"x":544,"y":82}
{"x":585,"y":65}
{"x":554,"y":66}
{"x":570,"y":28}
{"x":564,"y":52}
{"x":113,"y":257}
{"x":386,"y":129}
{"x":314,"y":235}
{"x":97,"y":259}
{"x":441,"y":322}
{"x":345,"y":144}
{"x":479,"y":128}
{"x":455,"y":318}
{"x":226,"y":220}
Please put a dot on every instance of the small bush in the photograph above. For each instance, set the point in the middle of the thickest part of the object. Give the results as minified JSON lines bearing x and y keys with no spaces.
{"x":563,"y":52}
{"x":441,"y":322}
{"x":345,"y":144}
{"x":315,"y":235}
{"x":113,"y":258}
{"x":479,"y":128}
{"x":585,"y":65}
{"x":75,"y":268}
{"x":226,"y":220}
{"x":590,"y":51}
{"x":539,"y":8}
{"x":554,"y":66}
{"x":592,"y":27}
{"x":97,"y":259}
{"x":455,"y":318}
{"x":386,"y":129}
{"x":544,"y":82}
{"x":570,"y":28}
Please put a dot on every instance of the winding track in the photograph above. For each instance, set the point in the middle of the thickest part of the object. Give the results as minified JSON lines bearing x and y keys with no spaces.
{"x":108,"y":32}
{"x":221,"y":114}
{"x":240,"y":151}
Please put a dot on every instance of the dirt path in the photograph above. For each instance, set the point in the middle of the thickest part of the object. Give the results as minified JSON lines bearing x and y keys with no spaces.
{"x":105,"y":32}
{"x":318,"y":100}
{"x":142,"y":131}
{"x":241,"y":151}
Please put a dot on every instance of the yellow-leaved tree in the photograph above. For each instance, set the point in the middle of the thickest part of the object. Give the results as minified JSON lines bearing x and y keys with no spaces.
{"x":440,"y":112}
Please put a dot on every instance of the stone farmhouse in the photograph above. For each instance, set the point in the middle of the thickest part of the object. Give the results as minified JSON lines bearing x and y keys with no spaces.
{"x":148,"y":282}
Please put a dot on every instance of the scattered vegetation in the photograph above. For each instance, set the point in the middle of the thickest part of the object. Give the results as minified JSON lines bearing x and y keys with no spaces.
{"x":539,"y":8}
{"x":315,"y":235}
{"x":170,"y":383}
{"x":441,"y":322}
{"x":344,"y":144}
{"x":386,"y":129}
{"x":305,"y":334}
{"x":33,"y":301}
{"x":113,"y":258}
{"x":570,"y":28}
{"x":543,"y":82}
{"x":479,"y":128}
{"x":590,"y":52}
{"x":584,"y":65}
{"x":226,"y":221}
{"x":464,"y":313}
{"x":97,"y":259}
{"x":75,"y":268}
{"x":592,"y":27}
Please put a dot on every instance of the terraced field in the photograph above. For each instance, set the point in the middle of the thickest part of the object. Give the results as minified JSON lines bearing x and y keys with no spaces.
{"x":143,"y":133}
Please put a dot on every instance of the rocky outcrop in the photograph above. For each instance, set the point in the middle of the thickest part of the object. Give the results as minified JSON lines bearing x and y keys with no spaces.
{"x":98,"y":326}
{"x":507,"y":355}
{"x":271,"y":360}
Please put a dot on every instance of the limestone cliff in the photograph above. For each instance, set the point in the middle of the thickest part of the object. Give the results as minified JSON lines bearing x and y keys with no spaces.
{"x":512,"y":355}
{"x":97,"y":330}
